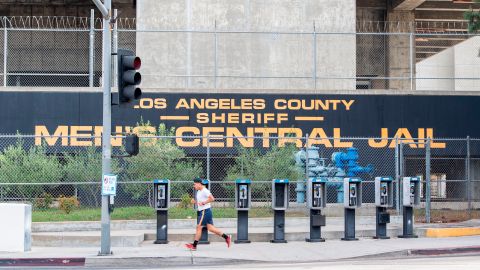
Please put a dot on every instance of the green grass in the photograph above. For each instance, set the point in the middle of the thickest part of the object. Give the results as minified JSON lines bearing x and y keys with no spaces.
{"x":144,"y":212}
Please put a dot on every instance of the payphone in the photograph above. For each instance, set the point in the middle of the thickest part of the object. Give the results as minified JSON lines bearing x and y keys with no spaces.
{"x":204,"y":237}
{"x":316,"y":201}
{"x":352,"y":187}
{"x":161,"y":194}
{"x":383,"y":200}
{"x":280,"y":198}
{"x":411,"y":199}
{"x":243,"y":202}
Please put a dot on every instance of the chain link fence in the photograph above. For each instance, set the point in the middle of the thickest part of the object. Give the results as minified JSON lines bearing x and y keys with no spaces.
{"x":66,"y":52}
{"x":42,"y":170}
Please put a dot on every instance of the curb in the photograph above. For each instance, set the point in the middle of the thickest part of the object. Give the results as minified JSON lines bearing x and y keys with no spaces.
{"x":162,"y":261}
{"x":451,"y":232}
{"x":42,"y":262}
{"x":444,"y":251}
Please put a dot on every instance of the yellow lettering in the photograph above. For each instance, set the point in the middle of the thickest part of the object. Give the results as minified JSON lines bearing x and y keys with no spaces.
{"x":218,"y":118}
{"x":259,"y":104}
{"x":334,"y":102}
{"x":202,"y":118}
{"x":160,"y":103}
{"x":42,"y":132}
{"x":432,"y":143}
{"x":383,"y":142}
{"x":146,"y":103}
{"x":214,"y":138}
{"x":282,"y":117}
{"x":318,"y":133}
{"x":233,"y":118}
{"x":234,"y":132}
{"x":182,"y":103}
{"x":248,"y":118}
{"x":283,"y":138}
{"x":266,"y":134}
{"x":74,"y":141}
{"x":278,"y":102}
{"x":404,"y":133}
{"x":337,"y":142}
{"x":180,"y":134}
{"x":348,"y":104}
{"x":421,"y":137}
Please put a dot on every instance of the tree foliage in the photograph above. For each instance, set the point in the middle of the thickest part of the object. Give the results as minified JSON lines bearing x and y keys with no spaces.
{"x":278,"y":163}
{"x":160,"y":158}
{"x":22,"y":164}
{"x":86,"y":166}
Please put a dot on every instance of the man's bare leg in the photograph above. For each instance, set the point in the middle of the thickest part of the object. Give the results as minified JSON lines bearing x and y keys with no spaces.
{"x":214,"y":230}
{"x":198,"y":233}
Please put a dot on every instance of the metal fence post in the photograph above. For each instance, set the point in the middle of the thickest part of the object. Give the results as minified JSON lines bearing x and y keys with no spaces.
{"x":469,"y":180}
{"x":397,"y":176}
{"x":91,"y":48}
{"x":306,"y":157}
{"x":427,"y":182}
{"x":411,"y":61}
{"x":208,"y":156}
{"x":5,"y":51}
{"x":401,"y":167}
{"x":216,"y":57}
{"x":314,"y":57}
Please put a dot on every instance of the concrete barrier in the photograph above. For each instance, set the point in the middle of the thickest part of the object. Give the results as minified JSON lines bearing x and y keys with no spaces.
{"x":16,"y":227}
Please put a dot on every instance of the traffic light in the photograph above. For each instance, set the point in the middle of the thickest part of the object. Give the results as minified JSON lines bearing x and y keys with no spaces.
{"x":128,"y":77}
{"x":132,"y":144}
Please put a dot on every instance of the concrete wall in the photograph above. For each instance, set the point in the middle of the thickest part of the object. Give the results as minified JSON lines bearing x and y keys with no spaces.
{"x":460,"y":61}
{"x":172,"y":55}
{"x":372,"y":49}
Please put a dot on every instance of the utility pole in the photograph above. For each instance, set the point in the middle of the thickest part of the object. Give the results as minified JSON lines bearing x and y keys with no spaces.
{"x":106,"y":10}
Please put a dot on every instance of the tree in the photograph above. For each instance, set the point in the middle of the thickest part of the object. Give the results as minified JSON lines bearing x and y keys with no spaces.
{"x":19,"y":164}
{"x":159,"y":158}
{"x":278,"y":163}
{"x":473,"y":18}
{"x":86,"y":166}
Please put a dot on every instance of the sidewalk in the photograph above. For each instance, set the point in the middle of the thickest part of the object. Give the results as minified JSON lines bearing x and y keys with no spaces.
{"x":134,"y":233}
{"x":216,"y":253}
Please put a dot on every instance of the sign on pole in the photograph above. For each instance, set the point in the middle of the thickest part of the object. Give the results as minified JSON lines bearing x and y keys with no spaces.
{"x":109,"y":185}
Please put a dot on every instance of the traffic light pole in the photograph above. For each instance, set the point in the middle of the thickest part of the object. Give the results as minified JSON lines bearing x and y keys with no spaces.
{"x":107,"y":118}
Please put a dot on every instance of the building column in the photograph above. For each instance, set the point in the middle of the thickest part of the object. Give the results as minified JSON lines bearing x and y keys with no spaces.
{"x":400,"y":56}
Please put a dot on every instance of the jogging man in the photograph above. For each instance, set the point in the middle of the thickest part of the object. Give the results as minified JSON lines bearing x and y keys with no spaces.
{"x":204,"y":214}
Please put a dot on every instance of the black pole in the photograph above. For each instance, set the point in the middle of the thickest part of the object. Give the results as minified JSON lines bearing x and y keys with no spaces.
{"x":349,"y":225}
{"x":242,"y":228}
{"x":316,"y":223}
{"x":408,"y":223}
{"x":204,"y":237}
{"x":279,"y":227}
{"x":382,"y":218}
{"x":162,"y":227}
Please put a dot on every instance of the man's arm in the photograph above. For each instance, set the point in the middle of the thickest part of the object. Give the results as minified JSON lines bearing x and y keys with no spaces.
{"x":208,"y":200}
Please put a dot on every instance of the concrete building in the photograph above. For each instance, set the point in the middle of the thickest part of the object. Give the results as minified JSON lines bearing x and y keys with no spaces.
{"x":248,"y":60}
{"x":273,"y":59}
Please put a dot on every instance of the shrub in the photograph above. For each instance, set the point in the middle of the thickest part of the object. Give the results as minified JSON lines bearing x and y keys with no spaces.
{"x":22,"y":164}
{"x":185,"y":201}
{"x":68,"y":204}
{"x":45,"y":202}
